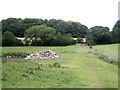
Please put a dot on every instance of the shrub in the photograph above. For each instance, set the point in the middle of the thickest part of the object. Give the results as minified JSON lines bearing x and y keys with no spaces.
{"x":47,"y":36}
{"x":98,"y":35}
{"x":0,"y":41}
{"x":15,"y":54}
{"x":18,"y":42}
{"x":36,"y":43}
{"x":8,"y":39}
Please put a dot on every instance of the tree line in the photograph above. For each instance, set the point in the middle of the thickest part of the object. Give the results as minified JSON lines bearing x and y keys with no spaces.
{"x":18,"y":26}
{"x":56,"y":32}
{"x":102,"y":35}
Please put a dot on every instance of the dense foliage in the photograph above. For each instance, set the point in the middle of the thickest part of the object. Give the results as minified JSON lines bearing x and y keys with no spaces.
{"x":102,"y":35}
{"x":60,"y":32}
{"x":98,"y":35}
{"x":9,"y":39}
{"x":18,"y":26}
{"x":46,"y":36}
{"x":116,"y":32}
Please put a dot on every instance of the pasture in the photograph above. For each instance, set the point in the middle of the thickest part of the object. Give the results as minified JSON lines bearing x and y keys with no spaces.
{"x":78,"y":68}
{"x":110,"y":50}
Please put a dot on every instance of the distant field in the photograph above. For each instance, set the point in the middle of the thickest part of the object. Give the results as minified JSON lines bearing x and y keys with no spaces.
{"x":109,"y":50}
{"x":79,"y":69}
{"x":36,"y":49}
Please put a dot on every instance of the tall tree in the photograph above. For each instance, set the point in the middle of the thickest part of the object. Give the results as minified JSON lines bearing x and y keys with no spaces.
{"x":116,"y":32}
{"x":99,"y":35}
{"x":8,"y":39}
{"x":47,"y":36}
{"x":13,"y":25}
{"x":41,"y":34}
{"x":18,"y":26}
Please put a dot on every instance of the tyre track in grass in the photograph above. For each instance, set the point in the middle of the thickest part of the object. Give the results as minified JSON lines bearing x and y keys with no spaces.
{"x":93,"y":79}
{"x":83,"y":70}
{"x":93,"y":67}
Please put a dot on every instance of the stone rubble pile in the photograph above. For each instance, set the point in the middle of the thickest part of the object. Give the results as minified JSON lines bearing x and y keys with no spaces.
{"x":45,"y":54}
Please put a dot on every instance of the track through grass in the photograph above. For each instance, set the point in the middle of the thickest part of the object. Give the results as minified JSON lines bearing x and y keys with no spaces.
{"x":79,"y":69}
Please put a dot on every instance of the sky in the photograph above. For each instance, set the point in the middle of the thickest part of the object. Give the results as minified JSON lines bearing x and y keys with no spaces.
{"x":88,"y":12}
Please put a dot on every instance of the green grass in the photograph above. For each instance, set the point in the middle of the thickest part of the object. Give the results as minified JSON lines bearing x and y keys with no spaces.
{"x":109,"y":50}
{"x":79,"y":69}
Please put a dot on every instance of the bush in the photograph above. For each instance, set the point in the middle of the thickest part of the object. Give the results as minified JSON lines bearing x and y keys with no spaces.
{"x":9,"y":39}
{"x":98,"y":35}
{"x":0,"y":41}
{"x":18,"y":42}
{"x":45,"y":36}
{"x":15,"y":54}
{"x":63,"y":40}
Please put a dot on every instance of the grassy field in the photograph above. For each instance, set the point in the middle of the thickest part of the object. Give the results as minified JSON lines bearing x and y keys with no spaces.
{"x":78,"y":69}
{"x":109,"y":50}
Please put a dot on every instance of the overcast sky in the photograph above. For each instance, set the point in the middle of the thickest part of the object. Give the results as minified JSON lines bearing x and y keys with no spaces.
{"x":87,"y":12}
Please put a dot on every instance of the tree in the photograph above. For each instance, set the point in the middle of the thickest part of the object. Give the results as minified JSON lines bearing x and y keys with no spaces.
{"x":90,"y":39}
{"x":18,"y":26}
{"x":116,"y":32}
{"x":99,"y":35}
{"x":13,"y":25}
{"x":47,"y":36}
{"x":58,"y":39}
{"x":18,"y":42}
{"x":41,"y":34}
{"x":76,"y":29}
{"x":8,"y":39}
